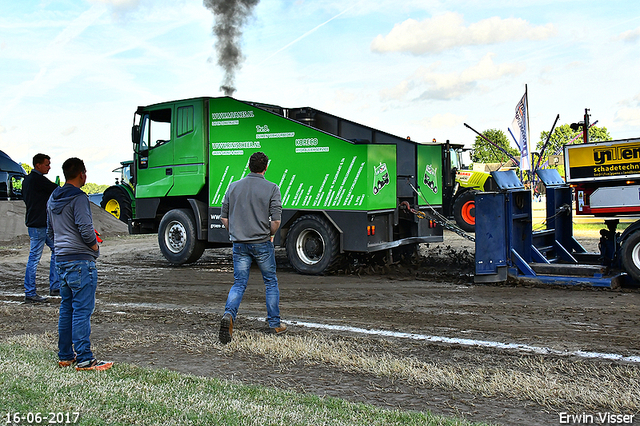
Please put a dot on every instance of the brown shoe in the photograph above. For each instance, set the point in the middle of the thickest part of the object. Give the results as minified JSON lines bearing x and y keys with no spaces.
{"x":226,"y":329}
{"x":281,"y":329}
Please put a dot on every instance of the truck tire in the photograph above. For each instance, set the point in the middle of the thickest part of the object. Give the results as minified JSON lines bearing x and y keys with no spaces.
{"x":630,"y":255}
{"x":464,"y":210}
{"x":177,"y":237}
{"x":312,"y":245}
{"x":116,"y":201}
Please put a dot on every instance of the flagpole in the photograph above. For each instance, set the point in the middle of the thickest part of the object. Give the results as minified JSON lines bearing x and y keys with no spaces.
{"x":529,"y":151}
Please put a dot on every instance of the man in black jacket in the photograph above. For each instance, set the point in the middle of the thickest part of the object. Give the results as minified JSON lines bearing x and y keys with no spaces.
{"x":36,"y":189}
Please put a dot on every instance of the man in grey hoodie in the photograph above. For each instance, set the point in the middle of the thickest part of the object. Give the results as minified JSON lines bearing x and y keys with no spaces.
{"x":70,"y":226}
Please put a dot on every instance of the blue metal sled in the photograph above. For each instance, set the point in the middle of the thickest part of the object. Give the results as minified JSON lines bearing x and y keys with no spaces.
{"x":507,"y":246}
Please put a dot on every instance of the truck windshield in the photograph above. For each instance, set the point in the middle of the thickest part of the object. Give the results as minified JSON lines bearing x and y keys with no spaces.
{"x":455,"y":159}
{"x":155,"y":129}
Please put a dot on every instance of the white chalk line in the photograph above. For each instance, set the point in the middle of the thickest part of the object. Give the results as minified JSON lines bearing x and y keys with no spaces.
{"x":465,"y":342}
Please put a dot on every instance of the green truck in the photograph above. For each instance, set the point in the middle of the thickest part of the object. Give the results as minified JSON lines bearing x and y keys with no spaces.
{"x":345,"y":187}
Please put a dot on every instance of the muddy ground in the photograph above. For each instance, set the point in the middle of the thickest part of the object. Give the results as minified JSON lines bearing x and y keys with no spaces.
{"x":139,"y":294}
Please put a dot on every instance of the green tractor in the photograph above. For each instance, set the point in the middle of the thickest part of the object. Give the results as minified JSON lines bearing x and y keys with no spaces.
{"x":460,"y":199}
{"x":119,"y":199}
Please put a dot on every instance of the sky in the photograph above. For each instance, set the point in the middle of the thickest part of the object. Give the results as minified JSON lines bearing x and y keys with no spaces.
{"x":72,"y":72}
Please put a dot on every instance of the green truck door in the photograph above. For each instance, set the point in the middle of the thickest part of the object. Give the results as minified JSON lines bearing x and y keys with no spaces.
{"x":190,"y":149}
{"x":174,"y":136}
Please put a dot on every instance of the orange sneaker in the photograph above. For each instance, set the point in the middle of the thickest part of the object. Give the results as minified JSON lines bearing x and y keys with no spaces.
{"x":94,"y":364}
{"x":66,"y":362}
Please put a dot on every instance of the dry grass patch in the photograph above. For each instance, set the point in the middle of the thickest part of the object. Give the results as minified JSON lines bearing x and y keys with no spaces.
{"x":551,"y":382}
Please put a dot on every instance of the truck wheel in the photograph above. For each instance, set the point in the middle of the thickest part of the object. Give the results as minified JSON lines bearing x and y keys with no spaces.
{"x":312,"y":245}
{"x":177,"y":237}
{"x":630,"y":256}
{"x":464,"y":210}
{"x":116,"y":201}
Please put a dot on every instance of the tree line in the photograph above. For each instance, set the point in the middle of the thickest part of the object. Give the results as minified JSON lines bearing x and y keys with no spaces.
{"x":89,"y":188}
{"x":484,"y":152}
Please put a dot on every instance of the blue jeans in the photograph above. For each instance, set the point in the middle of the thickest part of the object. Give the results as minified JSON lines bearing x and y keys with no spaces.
{"x":264,"y":255}
{"x":38,"y":237}
{"x":79,"y":279}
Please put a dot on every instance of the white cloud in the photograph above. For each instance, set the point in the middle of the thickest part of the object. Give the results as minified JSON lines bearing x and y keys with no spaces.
{"x":119,"y":4}
{"x":69,"y":130}
{"x":448,"y":86}
{"x":448,"y":31}
{"x":630,"y":36}
{"x":628,"y":116}
{"x":443,"y":121}
{"x":397,"y":92}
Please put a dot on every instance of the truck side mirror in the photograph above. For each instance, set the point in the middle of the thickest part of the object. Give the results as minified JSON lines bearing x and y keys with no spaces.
{"x":135,"y":134}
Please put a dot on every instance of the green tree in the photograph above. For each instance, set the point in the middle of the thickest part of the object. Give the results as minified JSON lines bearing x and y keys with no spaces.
{"x":563,"y":135}
{"x":484,"y":152}
{"x":94,"y":188}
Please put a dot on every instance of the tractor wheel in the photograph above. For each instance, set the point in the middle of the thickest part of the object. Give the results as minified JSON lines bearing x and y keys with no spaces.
{"x":312,"y":245}
{"x":116,"y":201}
{"x":177,"y":237}
{"x":464,"y":210}
{"x":630,"y":255}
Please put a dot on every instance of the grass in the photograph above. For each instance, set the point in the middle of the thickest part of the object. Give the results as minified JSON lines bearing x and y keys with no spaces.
{"x":31,"y":382}
{"x":586,"y":230}
{"x":598,"y":226}
{"x":550,"y":382}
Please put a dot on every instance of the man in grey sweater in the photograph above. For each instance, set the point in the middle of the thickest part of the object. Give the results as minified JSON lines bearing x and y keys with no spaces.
{"x":251,"y":211}
{"x":70,"y":226}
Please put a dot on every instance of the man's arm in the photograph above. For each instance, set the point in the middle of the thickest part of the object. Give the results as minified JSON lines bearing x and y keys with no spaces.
{"x":275,"y":211}
{"x":275,"y":224}
{"x":84,"y":222}
{"x":225,"y":222}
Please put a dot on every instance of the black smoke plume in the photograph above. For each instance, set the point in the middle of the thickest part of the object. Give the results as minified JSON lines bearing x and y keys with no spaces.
{"x":230,"y":16}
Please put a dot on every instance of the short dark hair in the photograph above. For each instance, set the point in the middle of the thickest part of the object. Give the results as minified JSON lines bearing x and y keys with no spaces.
{"x":258,"y":162}
{"x":72,"y":167}
{"x":39,"y":159}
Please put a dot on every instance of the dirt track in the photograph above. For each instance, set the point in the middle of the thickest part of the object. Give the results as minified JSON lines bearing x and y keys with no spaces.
{"x":172,"y":315}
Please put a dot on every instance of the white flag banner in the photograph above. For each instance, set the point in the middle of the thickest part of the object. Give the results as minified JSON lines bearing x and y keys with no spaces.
{"x":518,"y":130}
